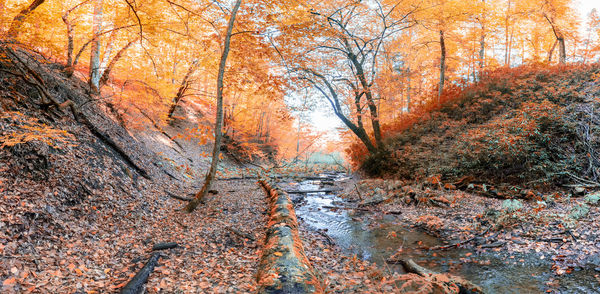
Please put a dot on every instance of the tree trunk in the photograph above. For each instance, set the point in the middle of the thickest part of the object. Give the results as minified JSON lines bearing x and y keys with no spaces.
{"x":357,"y":97}
{"x":481,"y":52}
{"x":482,"y":22}
{"x":108,"y":48}
{"x":111,"y":64}
{"x":185,"y":84}
{"x":510,"y":46}
{"x":366,"y":89}
{"x":335,"y":104}
{"x":65,"y":18}
{"x":360,"y":133}
{"x":94,"y":77}
{"x":408,"y":89}
{"x":551,"y":51}
{"x":219,"y":119}
{"x":442,"y":65}
{"x":506,"y":33}
{"x":13,"y":31}
{"x":562,"y":50}
{"x":560,"y":39}
{"x":69,"y":66}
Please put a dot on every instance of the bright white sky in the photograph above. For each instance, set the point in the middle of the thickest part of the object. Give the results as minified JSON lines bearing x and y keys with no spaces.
{"x":585,"y":6}
{"x":324,"y":120}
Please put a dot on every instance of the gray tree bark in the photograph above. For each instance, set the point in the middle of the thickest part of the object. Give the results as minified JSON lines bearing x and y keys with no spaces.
{"x":94,"y":77}
{"x":442,"y":65}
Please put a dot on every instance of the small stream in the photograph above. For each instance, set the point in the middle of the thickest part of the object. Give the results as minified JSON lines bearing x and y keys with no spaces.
{"x":379,"y":237}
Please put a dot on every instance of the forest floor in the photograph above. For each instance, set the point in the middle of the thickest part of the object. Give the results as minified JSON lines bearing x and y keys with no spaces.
{"x":48,"y":250}
{"x":99,"y":249}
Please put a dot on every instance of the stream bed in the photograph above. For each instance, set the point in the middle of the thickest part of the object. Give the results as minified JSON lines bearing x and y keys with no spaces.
{"x":378,"y":237}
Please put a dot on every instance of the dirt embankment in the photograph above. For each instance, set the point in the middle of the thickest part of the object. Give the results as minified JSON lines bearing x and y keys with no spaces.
{"x":531,"y":126}
{"x":83,"y":199}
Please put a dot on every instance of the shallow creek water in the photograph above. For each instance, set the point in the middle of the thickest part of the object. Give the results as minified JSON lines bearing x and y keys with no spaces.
{"x":378,"y":238}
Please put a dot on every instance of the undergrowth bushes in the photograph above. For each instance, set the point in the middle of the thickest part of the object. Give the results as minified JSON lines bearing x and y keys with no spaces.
{"x":530,"y":124}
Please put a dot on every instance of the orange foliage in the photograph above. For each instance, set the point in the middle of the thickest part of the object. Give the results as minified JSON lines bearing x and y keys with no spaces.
{"x":177,"y":44}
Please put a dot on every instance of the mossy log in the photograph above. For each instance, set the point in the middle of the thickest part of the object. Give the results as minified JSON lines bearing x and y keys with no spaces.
{"x":284,"y":268}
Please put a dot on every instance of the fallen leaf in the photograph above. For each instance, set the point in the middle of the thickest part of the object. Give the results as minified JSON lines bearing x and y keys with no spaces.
{"x":9,"y":281}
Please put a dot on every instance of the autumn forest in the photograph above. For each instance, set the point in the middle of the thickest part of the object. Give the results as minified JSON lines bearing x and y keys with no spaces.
{"x":257,"y":146}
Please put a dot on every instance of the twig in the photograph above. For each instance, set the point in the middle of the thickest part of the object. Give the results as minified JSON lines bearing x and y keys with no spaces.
{"x":588,"y":182}
{"x":329,"y":240}
{"x":583,"y":186}
{"x":571,"y":234}
{"x":178,"y":197}
{"x":456,"y":244}
{"x":241,"y":234}
{"x":358,"y":192}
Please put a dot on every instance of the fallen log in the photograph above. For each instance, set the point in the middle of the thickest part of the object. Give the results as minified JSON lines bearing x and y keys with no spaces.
{"x":412,"y":267}
{"x":463,"y":285}
{"x":493,"y":245}
{"x":313,"y":191}
{"x":163,"y":246}
{"x":283,"y":267}
{"x":395,"y":212}
{"x":136,"y":285}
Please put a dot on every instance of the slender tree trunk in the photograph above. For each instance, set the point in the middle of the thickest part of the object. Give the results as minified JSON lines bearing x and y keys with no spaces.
{"x":185,"y":84}
{"x":268,"y":126}
{"x":94,"y":77}
{"x":108,"y":48}
{"x":219,"y":119}
{"x":562,"y":50}
{"x":551,"y":52}
{"x":15,"y":25}
{"x":510,"y":46}
{"x":586,"y":51}
{"x":481,"y":52}
{"x":113,"y":61}
{"x":560,"y":39}
{"x":482,"y":41}
{"x":298,"y":139}
{"x":366,"y":88}
{"x":69,"y":66}
{"x":506,"y":33}
{"x":408,"y":89}
{"x":442,"y":65}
